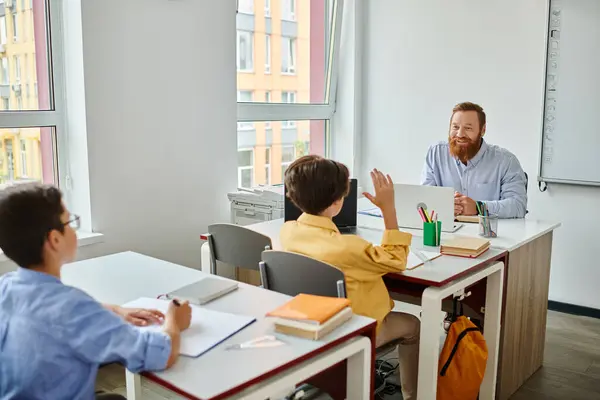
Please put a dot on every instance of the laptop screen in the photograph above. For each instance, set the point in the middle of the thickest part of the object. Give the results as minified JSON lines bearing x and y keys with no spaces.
{"x":346,"y":217}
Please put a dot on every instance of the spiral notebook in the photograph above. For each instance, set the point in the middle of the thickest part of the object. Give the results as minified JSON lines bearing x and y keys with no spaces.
{"x":207,"y":330}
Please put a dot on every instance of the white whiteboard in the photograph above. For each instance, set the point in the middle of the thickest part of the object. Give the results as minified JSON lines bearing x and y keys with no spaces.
{"x":571,"y":131}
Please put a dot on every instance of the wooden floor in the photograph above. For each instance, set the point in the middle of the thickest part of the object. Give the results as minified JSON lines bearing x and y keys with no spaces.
{"x":571,"y":368}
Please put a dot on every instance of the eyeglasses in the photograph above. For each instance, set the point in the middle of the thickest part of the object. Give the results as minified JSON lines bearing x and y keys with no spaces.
{"x":74,"y":222}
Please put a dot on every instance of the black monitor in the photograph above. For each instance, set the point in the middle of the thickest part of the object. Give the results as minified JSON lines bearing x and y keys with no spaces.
{"x":346,"y":217}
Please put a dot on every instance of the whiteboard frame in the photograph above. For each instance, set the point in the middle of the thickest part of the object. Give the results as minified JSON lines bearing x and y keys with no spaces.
{"x":540,"y":176}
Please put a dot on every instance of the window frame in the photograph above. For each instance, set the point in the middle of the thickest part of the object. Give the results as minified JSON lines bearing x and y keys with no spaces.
{"x":55,"y":117}
{"x":311,"y":111}
{"x":289,"y":48}
{"x":250,"y":52}
{"x":267,"y":53}
{"x":246,"y":167}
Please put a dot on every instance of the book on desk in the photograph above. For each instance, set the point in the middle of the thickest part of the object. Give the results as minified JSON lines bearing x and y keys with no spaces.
{"x":464,"y":246}
{"x":311,"y":317}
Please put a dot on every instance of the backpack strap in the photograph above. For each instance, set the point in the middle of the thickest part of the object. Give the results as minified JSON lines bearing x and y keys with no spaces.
{"x":455,"y":348}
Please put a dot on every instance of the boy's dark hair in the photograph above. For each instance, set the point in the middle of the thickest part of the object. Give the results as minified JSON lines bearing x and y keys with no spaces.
{"x":314,"y":183}
{"x":28,"y":213}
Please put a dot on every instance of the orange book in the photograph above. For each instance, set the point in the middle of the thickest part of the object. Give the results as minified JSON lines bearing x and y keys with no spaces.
{"x":312,"y":309}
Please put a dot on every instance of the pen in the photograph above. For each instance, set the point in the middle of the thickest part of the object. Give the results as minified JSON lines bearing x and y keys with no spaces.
{"x":176,"y":302}
{"x":420,"y":210}
{"x":435,"y":221}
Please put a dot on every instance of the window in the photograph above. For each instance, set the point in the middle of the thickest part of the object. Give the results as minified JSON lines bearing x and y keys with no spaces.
{"x":26,"y":69}
{"x":15,"y":27}
{"x":288,"y":155}
{"x":5,"y":77}
{"x":246,"y":6}
{"x":246,"y":168}
{"x":267,"y":54}
{"x":31,"y":136}
{"x":288,"y":10}
{"x":244,"y":96}
{"x":245,"y":51}
{"x":3,"y":32}
{"x":267,"y":100}
{"x":23,"y":158}
{"x":299,"y":84}
{"x":290,"y":98}
{"x":288,"y":55}
{"x":267,"y":166}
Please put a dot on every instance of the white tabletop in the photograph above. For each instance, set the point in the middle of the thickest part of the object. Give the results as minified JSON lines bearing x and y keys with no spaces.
{"x":512,"y":233}
{"x":123,"y":277}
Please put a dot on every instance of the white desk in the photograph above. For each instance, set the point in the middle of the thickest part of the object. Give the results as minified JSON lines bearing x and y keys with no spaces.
{"x":442,"y":277}
{"x":253,"y":373}
{"x":528,"y":247}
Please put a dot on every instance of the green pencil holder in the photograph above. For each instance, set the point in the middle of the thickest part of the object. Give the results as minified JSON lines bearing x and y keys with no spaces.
{"x":431,"y":237}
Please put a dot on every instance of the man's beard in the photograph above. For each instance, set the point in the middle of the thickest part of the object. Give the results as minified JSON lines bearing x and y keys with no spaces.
{"x":462,"y":152}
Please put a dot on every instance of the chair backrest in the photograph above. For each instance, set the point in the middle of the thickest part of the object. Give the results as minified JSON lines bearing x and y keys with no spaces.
{"x":292,"y":274}
{"x":236,"y":245}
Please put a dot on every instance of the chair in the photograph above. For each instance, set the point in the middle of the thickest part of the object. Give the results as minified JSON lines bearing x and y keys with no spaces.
{"x":292,"y":274}
{"x":235,"y":245}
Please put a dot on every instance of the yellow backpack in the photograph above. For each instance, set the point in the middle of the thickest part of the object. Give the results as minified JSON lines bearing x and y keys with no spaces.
{"x":462,"y":361}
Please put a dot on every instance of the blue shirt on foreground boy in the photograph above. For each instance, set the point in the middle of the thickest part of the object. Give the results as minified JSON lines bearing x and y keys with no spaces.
{"x":53,"y":337}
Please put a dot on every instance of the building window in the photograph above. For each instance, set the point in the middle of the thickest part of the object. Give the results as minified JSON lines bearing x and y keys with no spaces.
{"x":245,"y":96}
{"x":288,"y":8}
{"x":289,"y":98}
{"x":267,"y":100}
{"x":268,"y":166}
{"x":267,"y":8}
{"x":288,"y":155}
{"x":245,"y":51}
{"x":17,"y":60}
{"x":23,"y":158}
{"x":5,"y":77}
{"x":3,"y":33}
{"x":288,"y":55}
{"x":268,"y":54}
{"x":246,"y":168}
{"x":246,"y":6}
{"x":5,"y":103}
{"x":15,"y":27}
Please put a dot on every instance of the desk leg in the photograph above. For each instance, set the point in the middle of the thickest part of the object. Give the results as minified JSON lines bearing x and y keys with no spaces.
{"x":429,"y":347}
{"x":134,"y":385}
{"x":358,"y":375}
{"x":491,"y":332}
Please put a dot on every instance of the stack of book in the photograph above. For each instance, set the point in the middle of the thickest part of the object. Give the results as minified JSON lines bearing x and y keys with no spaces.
{"x":311,"y":317}
{"x":464,"y":246}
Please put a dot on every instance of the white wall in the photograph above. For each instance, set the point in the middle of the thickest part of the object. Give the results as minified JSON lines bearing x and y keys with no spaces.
{"x":420,"y":60}
{"x":161,"y":120}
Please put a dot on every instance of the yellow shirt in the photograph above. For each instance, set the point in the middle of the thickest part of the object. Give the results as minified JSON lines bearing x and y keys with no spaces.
{"x":362,"y":263}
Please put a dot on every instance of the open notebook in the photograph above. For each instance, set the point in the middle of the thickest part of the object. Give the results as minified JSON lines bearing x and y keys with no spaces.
{"x":207,"y":330}
{"x":415,"y":261}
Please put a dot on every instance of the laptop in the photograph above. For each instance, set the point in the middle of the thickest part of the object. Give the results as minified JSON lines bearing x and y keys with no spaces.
{"x":345,"y":220}
{"x":432,"y":198}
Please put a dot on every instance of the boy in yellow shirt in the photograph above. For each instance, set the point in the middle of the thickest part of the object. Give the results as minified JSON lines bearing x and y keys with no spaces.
{"x":318,"y":186}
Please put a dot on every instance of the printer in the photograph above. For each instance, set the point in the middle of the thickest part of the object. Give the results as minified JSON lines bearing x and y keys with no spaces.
{"x":259,"y":204}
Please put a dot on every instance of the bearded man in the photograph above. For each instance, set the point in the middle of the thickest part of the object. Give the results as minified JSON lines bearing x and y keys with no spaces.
{"x":477,"y":171}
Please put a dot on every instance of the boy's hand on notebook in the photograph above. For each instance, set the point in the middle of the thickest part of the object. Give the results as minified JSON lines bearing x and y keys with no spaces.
{"x":141,"y":316}
{"x":181,"y":313}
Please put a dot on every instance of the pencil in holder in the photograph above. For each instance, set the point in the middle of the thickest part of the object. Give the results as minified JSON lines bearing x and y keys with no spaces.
{"x":431,"y":235}
{"x":488,"y":226}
